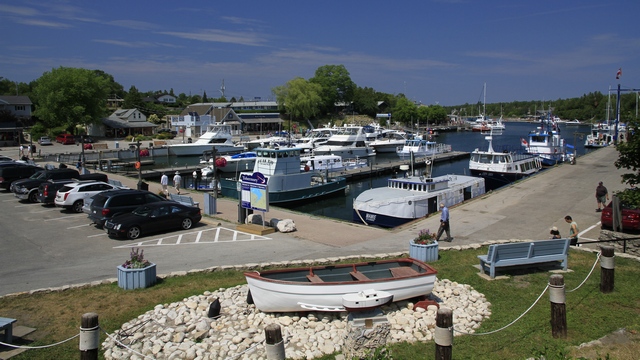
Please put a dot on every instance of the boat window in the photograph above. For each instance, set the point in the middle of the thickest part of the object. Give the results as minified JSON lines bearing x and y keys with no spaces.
{"x":484,"y":159}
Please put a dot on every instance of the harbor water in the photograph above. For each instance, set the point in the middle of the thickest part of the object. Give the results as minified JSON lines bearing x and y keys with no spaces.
{"x":340,"y":207}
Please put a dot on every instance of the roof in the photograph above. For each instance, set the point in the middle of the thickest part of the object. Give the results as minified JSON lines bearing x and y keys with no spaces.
{"x":122,"y":124}
{"x":15,"y":100}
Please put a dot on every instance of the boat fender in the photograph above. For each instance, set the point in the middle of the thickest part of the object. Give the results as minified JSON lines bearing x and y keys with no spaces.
{"x":428,"y":162}
{"x":221,"y":162}
{"x":306,"y":168}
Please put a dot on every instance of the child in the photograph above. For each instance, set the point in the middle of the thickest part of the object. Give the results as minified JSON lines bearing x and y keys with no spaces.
{"x":555,"y":233}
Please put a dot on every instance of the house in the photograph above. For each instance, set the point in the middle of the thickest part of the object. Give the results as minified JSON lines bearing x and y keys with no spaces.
{"x":194,"y":119}
{"x":167,"y":99}
{"x":18,"y":106}
{"x":121,"y":123}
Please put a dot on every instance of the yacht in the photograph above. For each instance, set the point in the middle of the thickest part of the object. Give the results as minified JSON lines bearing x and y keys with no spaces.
{"x":330,"y":163}
{"x":545,"y":141}
{"x":388,"y":141}
{"x":347,"y":142}
{"x":314,"y":138}
{"x":421,"y":147}
{"x":500,"y":168}
{"x":217,"y":136}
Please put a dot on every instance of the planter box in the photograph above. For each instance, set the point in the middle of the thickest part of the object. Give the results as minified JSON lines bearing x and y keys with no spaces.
{"x":136,"y":278}
{"x":425,"y":253}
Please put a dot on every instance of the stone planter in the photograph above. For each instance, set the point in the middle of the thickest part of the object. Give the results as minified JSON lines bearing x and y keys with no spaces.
{"x":425,"y":253}
{"x":136,"y":278}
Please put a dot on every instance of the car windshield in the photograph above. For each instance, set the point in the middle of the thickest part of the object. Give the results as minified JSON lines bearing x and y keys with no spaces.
{"x":38,"y":175}
{"x":142,"y":211}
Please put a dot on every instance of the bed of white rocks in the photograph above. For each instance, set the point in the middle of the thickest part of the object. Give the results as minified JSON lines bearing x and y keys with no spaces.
{"x":183,"y":330}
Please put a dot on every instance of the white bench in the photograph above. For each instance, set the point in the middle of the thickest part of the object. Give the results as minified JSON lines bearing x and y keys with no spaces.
{"x":184,"y":199}
{"x":6,"y":324}
{"x":524,"y":253}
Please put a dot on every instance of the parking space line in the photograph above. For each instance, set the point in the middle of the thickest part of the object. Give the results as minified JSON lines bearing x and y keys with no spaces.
{"x":184,"y":239}
{"x":65,"y":217}
{"x":78,"y":226}
{"x":45,"y":210}
{"x":97,"y":235}
{"x":23,"y":205}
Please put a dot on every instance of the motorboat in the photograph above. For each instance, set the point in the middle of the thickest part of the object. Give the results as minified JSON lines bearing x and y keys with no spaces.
{"x":412,"y":197}
{"x":366,"y":300}
{"x":330,"y":163}
{"x":547,"y":143}
{"x":278,"y":170}
{"x":339,"y":287}
{"x":601,"y":135}
{"x":235,"y":163}
{"x":314,"y":138}
{"x":347,"y":142}
{"x":420,"y":147}
{"x":218,"y":136}
{"x":574,"y":122}
{"x":274,"y":142}
{"x":388,"y":141}
{"x":500,"y":168}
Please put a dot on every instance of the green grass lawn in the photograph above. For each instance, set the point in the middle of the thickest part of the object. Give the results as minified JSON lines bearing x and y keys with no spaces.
{"x":590,"y":314}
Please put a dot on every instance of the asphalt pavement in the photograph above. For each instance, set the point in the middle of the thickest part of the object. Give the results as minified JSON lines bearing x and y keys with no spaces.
{"x":527,"y":209}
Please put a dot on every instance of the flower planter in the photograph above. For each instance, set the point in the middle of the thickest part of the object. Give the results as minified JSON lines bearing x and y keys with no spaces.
{"x":426,"y":253}
{"x":136,"y":278}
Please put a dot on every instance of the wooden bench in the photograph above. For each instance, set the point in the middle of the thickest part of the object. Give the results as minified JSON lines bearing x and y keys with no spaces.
{"x":524,"y":253}
{"x":6,"y":324}
{"x":359,"y":276}
{"x":403,"y":271}
{"x":184,"y":199}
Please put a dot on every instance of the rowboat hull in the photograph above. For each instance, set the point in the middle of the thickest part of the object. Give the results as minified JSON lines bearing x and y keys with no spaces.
{"x":322,"y":288}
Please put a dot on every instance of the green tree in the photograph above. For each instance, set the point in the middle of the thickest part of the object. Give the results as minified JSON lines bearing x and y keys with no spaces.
{"x":204,"y":97}
{"x":70,"y":96}
{"x":630,"y":155}
{"x":365,"y":101}
{"x":299,"y":98}
{"x":133,"y":99}
{"x":405,"y":111}
{"x":336,"y":85}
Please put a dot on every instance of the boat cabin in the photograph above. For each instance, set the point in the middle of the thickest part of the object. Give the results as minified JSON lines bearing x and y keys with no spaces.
{"x":272,"y":162}
{"x":423,"y":185}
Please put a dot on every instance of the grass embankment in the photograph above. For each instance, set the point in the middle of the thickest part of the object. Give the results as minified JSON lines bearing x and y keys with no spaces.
{"x":590,"y":314}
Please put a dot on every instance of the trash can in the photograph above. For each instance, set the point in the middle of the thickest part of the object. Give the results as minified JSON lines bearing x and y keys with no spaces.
{"x":144,"y":186}
{"x":210,"y":205}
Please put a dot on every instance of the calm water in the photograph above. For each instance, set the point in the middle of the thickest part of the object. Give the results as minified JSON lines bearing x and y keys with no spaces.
{"x":341,"y":207}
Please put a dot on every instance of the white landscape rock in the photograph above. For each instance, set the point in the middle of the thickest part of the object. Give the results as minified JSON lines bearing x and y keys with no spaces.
{"x":182,"y":330}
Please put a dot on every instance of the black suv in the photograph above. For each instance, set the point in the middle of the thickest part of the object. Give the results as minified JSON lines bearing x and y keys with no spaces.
{"x":27,"y":189}
{"x":46,"y":193}
{"x":109,"y":203}
{"x":11,"y":173}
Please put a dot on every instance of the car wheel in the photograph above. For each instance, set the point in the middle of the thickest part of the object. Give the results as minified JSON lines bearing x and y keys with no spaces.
{"x":33,"y":196}
{"x":187,"y":223}
{"x":133,"y":232}
{"x":77,"y":206}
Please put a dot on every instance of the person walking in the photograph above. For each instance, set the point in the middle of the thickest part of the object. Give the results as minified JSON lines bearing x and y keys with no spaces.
{"x":573,"y":230}
{"x":602,"y":195}
{"x":444,"y":223}
{"x":177,"y":179}
{"x":164,"y":181}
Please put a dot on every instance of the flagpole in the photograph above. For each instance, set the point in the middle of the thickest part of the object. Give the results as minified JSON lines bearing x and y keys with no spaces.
{"x":615,"y":136}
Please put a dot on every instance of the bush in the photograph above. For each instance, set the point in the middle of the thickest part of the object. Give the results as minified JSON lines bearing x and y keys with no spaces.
{"x":629,"y":197}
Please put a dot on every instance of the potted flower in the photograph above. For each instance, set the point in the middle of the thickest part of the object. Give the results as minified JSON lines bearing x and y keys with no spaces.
{"x":136,"y":272}
{"x":424,"y":247}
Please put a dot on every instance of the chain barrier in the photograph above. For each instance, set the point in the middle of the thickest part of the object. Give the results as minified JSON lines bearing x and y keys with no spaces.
{"x":534,"y":303}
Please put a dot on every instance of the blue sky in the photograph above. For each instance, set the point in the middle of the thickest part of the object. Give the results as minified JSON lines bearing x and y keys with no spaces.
{"x":434,"y":51}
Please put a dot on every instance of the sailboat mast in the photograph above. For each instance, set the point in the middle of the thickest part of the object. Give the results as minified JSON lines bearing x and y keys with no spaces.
{"x":484,"y":101}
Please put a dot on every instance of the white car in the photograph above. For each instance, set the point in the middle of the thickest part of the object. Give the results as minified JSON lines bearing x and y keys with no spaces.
{"x":72,"y":195}
{"x":45,"y":141}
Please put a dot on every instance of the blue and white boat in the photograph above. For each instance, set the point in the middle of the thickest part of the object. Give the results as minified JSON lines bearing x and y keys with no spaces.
{"x":412,"y":197}
{"x":545,"y":142}
{"x":285,"y":181}
{"x":420,"y":147}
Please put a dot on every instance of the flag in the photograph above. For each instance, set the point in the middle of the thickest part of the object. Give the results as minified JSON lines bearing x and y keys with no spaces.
{"x":618,"y":74}
{"x":524,"y":142}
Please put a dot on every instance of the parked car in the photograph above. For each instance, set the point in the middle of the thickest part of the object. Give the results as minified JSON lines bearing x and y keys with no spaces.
{"x":65,"y":139}
{"x":46,"y":193}
{"x":110,"y":203}
{"x":72,"y":195}
{"x":27,"y":189}
{"x":6,"y":159}
{"x":45,"y":140}
{"x":87,"y":139}
{"x":15,"y":171}
{"x":155,"y":217}
{"x":630,"y":217}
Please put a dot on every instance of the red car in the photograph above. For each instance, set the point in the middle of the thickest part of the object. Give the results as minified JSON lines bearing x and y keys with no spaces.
{"x":630,"y":217}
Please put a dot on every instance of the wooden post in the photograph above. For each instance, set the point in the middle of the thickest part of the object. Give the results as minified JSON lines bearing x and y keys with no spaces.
{"x":89,"y":337}
{"x":607,"y":269}
{"x":274,"y":343}
{"x":558,"y":307}
{"x":443,"y":335}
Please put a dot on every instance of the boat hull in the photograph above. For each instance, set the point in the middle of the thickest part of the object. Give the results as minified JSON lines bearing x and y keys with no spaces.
{"x":494,"y":180}
{"x":290,"y":290}
{"x":334,"y":186}
{"x":198,"y":149}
